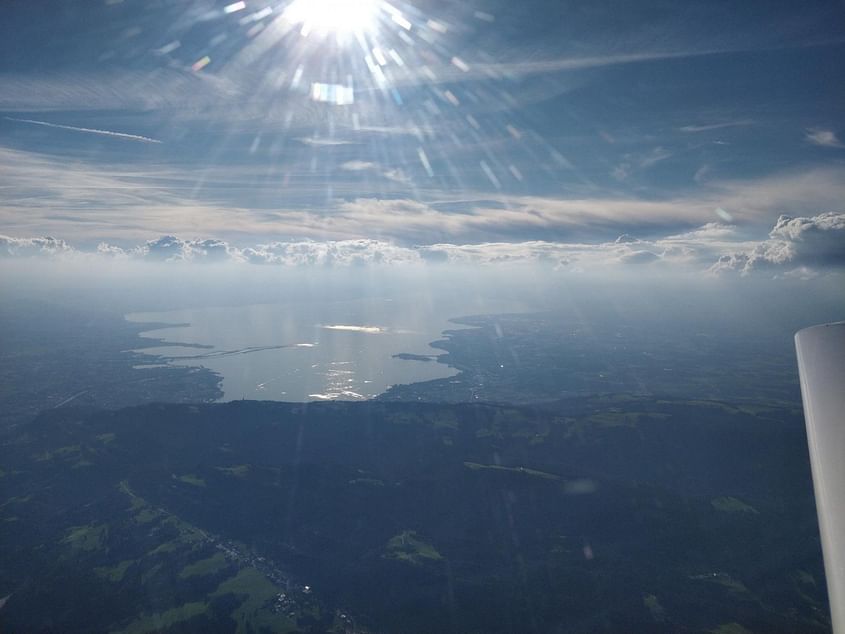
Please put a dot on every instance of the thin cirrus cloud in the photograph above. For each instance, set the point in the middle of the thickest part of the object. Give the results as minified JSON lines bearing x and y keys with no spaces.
{"x":640,"y":162}
{"x":323,"y":142}
{"x":44,"y":195}
{"x":824,"y":138}
{"x":459,"y":70}
{"x":395,"y":174}
{"x":359,"y":166}
{"x":89,"y":90}
{"x":707,"y":127}
{"x":73,"y":128}
{"x":178,"y":92}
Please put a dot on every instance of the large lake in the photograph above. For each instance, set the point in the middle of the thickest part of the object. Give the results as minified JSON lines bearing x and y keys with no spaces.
{"x":306,"y":351}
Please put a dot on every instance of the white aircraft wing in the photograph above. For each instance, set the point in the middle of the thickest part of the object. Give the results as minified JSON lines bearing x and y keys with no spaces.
{"x":821,"y":364}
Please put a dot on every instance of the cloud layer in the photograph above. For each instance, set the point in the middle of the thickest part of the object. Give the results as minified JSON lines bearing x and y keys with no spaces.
{"x":806,"y":245}
{"x":29,"y":247}
{"x":797,"y":244}
{"x":83,"y":202}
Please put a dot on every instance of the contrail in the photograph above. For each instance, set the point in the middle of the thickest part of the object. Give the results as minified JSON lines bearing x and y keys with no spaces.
{"x":119,"y":135}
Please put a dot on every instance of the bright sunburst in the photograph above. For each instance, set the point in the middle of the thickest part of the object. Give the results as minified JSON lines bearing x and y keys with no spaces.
{"x":339,"y":17}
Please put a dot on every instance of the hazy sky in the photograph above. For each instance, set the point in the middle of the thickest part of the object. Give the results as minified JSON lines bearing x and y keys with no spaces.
{"x":441,"y":131}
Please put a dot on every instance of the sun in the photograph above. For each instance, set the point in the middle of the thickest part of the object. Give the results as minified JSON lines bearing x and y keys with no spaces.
{"x":339,"y":17}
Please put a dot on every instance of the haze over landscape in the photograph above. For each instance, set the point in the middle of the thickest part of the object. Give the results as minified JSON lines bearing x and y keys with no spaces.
{"x":325,"y":316}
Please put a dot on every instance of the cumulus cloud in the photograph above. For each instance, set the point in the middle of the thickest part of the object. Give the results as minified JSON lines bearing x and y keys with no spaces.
{"x":794,"y":244}
{"x":576,"y":257}
{"x":730,"y":263}
{"x":171,"y":248}
{"x":350,"y":253}
{"x":27,"y":247}
{"x":796,"y":247}
{"x":341,"y":253}
{"x":499,"y":253}
{"x":112,"y":251}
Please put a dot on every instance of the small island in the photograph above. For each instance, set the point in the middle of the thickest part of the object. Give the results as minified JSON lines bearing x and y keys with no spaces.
{"x":407,"y":356}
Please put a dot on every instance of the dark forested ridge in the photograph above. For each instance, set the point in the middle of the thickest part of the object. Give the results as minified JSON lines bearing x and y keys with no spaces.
{"x":601,"y":514}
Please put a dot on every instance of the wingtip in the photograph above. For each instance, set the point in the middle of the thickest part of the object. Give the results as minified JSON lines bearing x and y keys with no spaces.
{"x":832,"y":324}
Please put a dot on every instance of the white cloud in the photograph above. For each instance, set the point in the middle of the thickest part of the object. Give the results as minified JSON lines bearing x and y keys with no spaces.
{"x":358,"y":166}
{"x":797,"y":247}
{"x":329,"y":253}
{"x":575,"y":257}
{"x":712,"y":231}
{"x":322,"y":141}
{"x":794,"y":244}
{"x":397,"y":175}
{"x":27,"y":247}
{"x":346,"y":253}
{"x":639,"y":257}
{"x":706,"y":127}
{"x":171,"y":248}
{"x":91,"y":203}
{"x":824,"y":138}
{"x":640,"y":162}
{"x":654,"y":157}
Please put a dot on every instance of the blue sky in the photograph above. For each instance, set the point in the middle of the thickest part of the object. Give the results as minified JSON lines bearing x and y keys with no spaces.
{"x":503,"y":123}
